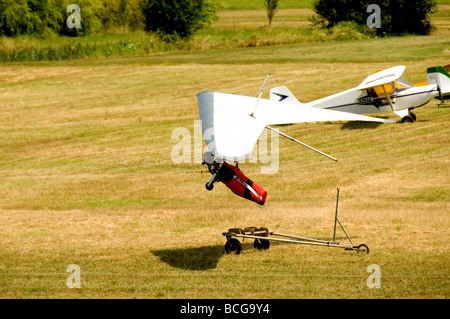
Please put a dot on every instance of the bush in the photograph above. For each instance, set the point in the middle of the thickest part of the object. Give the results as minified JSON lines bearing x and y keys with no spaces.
{"x":397,"y":16}
{"x":176,"y":18}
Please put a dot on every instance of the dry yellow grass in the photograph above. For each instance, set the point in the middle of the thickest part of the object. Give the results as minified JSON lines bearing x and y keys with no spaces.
{"x":88,"y":180}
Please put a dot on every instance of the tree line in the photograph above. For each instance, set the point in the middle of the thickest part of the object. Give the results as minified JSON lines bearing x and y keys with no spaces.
{"x":174,"y":19}
{"x":397,"y":17}
{"x":177,"y":18}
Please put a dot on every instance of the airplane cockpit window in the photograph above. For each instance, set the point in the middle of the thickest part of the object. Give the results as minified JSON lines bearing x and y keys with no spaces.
{"x":402,"y":84}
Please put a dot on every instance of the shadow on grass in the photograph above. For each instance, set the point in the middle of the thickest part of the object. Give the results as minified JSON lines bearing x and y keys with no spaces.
{"x":201,"y":258}
{"x":196,"y":258}
{"x":356,"y":125}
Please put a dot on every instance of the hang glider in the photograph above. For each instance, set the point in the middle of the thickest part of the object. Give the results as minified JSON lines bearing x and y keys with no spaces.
{"x":383,"y":91}
{"x":231,"y":124}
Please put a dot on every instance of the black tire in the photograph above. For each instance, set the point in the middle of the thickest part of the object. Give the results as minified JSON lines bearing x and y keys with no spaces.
{"x":407,"y":119}
{"x":233,"y":246}
{"x":363,"y":248}
{"x":413,"y":116}
{"x":209,"y":187}
{"x":261,"y":244}
{"x":257,"y":244}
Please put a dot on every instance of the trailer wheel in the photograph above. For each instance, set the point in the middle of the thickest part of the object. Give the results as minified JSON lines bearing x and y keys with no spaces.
{"x":261,"y":244}
{"x":363,"y":248}
{"x":233,"y":246}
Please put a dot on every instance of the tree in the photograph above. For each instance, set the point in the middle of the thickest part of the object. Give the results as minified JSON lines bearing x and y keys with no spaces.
{"x":397,"y":16}
{"x":25,"y":17}
{"x":173,"y":19}
{"x":271,"y":7}
{"x":43,"y":17}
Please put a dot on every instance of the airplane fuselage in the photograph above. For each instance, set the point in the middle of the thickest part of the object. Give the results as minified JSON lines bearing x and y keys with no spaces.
{"x":368,"y":101}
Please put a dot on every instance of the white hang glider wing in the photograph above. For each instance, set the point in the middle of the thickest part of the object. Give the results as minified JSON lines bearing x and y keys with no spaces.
{"x":230,"y":132}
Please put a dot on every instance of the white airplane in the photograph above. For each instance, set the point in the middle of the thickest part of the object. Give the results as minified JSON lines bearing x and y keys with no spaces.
{"x":384,"y":91}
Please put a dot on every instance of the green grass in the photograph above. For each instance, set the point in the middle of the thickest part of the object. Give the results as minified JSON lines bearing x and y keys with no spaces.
{"x":28,"y":48}
{"x":259,"y":4}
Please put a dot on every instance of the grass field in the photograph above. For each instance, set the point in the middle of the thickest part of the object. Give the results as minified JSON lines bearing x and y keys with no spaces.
{"x":87,"y":178}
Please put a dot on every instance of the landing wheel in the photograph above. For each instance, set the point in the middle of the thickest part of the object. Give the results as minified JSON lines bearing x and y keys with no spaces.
{"x":407,"y":119}
{"x":233,"y":246}
{"x":210,"y":187}
{"x":413,"y":116}
{"x":261,"y":244}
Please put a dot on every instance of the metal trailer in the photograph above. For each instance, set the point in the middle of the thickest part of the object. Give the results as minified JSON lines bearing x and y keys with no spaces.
{"x":262,"y":238}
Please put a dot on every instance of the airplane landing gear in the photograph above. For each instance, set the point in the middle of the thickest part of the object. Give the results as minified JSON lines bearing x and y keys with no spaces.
{"x":407,"y":119}
{"x":410,"y":118}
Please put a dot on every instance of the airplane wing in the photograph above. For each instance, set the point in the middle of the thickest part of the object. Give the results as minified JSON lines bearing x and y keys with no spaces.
{"x":382,"y":77}
{"x":231,"y":133}
{"x":276,"y":113}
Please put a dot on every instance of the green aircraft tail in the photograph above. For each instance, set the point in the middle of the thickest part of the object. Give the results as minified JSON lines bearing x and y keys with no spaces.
{"x":439,"y":75}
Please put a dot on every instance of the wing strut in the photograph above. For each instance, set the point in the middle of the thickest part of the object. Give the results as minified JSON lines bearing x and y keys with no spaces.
{"x":301,"y":143}
{"x":387,"y":97}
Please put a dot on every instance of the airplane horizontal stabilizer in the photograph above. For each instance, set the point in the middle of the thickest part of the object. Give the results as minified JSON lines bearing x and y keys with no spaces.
{"x":283,"y":94}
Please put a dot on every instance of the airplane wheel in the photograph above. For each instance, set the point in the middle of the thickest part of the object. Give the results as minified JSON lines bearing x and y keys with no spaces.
{"x":407,"y":119}
{"x":233,"y":246}
{"x":261,"y":244}
{"x":413,"y":115}
{"x":209,"y":187}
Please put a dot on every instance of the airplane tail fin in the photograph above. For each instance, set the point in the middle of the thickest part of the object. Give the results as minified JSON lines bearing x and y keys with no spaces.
{"x":438,"y":75}
{"x":283,"y":94}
